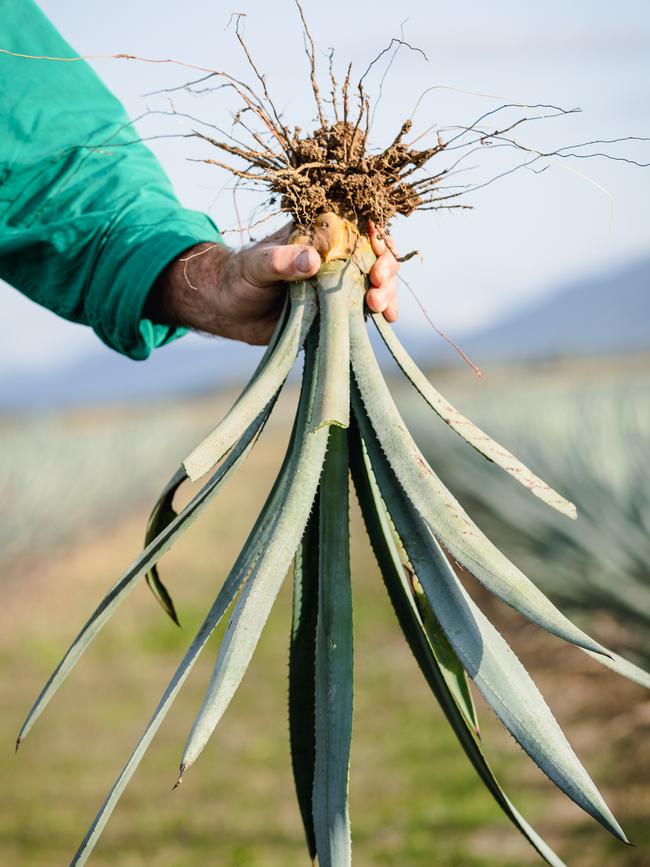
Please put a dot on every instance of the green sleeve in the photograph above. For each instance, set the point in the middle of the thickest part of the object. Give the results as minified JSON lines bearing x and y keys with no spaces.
{"x":88,"y":218}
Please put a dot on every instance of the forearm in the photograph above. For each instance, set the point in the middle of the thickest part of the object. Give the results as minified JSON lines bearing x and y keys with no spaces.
{"x":88,"y":218}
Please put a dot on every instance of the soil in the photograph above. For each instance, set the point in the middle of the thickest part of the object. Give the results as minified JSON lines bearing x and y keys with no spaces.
{"x":332,"y":172}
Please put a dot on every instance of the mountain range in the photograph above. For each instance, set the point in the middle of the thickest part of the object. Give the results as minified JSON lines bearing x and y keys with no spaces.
{"x":597,"y":315}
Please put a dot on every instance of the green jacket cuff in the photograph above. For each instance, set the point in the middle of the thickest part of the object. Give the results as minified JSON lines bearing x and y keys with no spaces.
{"x":134,"y":253}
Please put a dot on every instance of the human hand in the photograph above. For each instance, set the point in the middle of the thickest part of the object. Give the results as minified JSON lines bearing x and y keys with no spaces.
{"x":239,"y":294}
{"x":382,"y":296}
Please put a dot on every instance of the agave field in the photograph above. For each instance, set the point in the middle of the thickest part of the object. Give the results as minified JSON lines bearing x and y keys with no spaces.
{"x":582,"y":433}
{"x":89,"y":466}
{"x":385,"y":672}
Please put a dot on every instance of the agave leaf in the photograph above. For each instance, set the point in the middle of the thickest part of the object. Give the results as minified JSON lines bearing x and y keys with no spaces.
{"x":265,"y":383}
{"x":162,"y":514}
{"x":278,"y":331}
{"x":162,"y":594}
{"x":143,"y":562}
{"x":257,"y":542}
{"x":383,"y":543}
{"x":451,"y":524}
{"x":473,"y":435}
{"x":332,"y":400}
{"x":302,"y":662}
{"x":490,"y":662}
{"x":450,"y":666}
{"x":602,"y":654}
{"x":333,"y":663}
{"x":446,"y":660}
{"x":256,"y":600}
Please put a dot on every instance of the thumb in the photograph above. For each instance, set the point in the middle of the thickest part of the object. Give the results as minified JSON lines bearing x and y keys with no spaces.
{"x":271,"y":264}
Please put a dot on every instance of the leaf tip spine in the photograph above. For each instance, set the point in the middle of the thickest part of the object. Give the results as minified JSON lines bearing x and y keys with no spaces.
{"x":179,"y":781}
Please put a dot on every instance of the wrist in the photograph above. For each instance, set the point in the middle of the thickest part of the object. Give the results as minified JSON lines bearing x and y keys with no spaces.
{"x":187,"y":292}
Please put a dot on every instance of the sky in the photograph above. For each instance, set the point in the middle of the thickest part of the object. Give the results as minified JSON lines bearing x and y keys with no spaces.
{"x":528,"y":233}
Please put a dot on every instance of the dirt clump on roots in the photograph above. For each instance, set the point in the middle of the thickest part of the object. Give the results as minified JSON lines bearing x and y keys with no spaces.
{"x":332,"y":172}
{"x":329,"y":170}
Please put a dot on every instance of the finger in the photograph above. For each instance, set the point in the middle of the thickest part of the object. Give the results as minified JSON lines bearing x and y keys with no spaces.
{"x":376,"y":241}
{"x":266,"y":265}
{"x":384,"y":270}
{"x":391,"y":291}
{"x":377,"y":300}
{"x":391,"y":312}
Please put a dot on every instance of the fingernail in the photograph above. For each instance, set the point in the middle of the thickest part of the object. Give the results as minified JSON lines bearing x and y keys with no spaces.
{"x":302,"y":262}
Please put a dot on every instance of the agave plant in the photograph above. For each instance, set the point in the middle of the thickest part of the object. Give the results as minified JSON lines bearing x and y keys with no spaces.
{"x":346,"y":421}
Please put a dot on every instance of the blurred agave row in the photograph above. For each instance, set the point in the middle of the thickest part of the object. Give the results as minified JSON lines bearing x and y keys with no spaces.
{"x":62,"y":475}
{"x":590,"y":443}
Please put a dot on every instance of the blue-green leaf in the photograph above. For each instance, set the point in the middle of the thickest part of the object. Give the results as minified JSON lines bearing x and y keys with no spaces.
{"x":151,"y":554}
{"x":256,"y":600}
{"x":162,"y":514}
{"x":473,"y":435}
{"x":382,"y":540}
{"x":257,"y":542}
{"x":334,"y":660}
{"x":302,"y":673}
{"x":263,"y":386}
{"x":451,"y":524}
{"x":450,"y":666}
{"x":332,"y":399}
{"x":490,"y":662}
